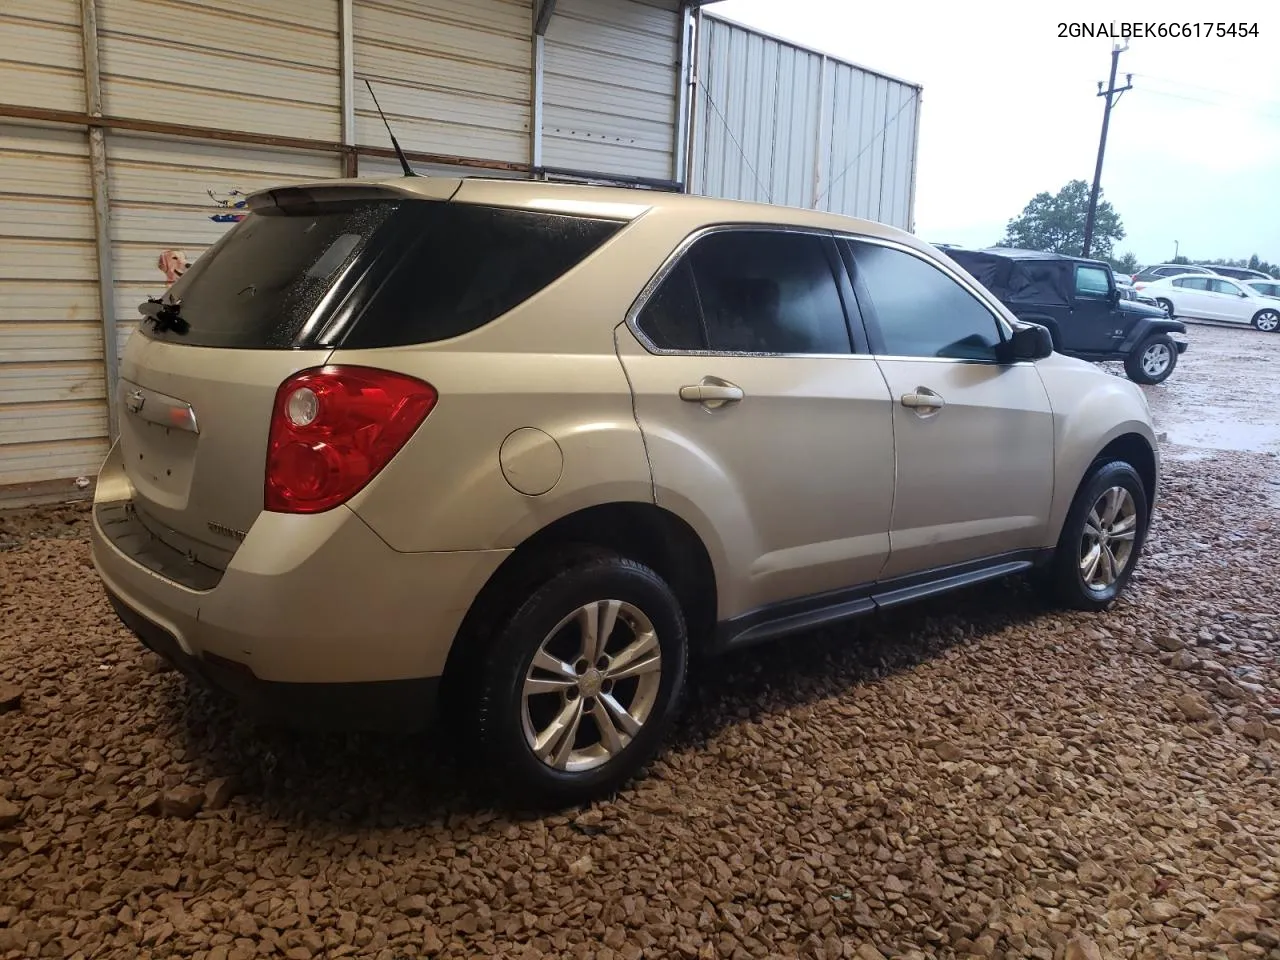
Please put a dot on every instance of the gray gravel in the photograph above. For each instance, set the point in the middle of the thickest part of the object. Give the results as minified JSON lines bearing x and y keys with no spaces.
{"x":974,"y":777}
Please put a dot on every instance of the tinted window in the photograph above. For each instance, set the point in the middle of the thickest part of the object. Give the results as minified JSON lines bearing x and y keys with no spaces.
{"x":1224,"y":286}
{"x":465,"y":265}
{"x":1193,"y":283}
{"x":671,"y":318}
{"x":405,"y":271}
{"x":750,"y":291}
{"x":921,"y":311}
{"x":1092,"y":282}
{"x":768,"y":292}
{"x":260,"y":283}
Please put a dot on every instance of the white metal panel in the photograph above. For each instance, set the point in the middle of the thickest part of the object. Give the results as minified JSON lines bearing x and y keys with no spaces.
{"x":52,"y":418}
{"x":165,"y":194}
{"x":611,"y":88}
{"x":383,"y":168}
{"x":269,"y":67}
{"x":41,"y":57}
{"x":780,"y":123}
{"x":452,"y":76}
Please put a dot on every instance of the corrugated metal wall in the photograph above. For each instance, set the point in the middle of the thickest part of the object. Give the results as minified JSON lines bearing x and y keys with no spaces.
{"x":611,"y":87}
{"x":779,"y":123}
{"x":452,"y":76}
{"x":266,"y":67}
{"x":52,"y":416}
{"x":40,"y":61}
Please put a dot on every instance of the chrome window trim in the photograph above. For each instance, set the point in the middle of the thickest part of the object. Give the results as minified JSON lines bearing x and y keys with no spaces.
{"x":632,"y":319}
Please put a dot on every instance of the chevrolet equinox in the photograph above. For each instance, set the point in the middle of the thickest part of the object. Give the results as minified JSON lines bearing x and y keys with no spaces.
{"x":509,"y":453}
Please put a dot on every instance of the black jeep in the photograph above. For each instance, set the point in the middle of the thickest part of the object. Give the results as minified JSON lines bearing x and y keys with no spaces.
{"x":1079,"y":302}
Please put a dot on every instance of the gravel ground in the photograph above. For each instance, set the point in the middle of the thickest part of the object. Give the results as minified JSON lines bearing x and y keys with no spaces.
{"x":972,"y":777}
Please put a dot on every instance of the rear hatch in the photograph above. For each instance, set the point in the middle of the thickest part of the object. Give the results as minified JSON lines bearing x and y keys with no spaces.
{"x":198,"y":380}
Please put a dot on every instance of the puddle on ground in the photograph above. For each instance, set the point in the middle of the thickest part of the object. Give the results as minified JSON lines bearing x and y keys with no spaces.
{"x":1226,"y":435}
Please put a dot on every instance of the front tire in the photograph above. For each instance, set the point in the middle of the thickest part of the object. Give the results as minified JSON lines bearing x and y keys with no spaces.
{"x":1268,"y":321}
{"x":581,"y":685}
{"x":1102,"y":538}
{"x":1153,"y":360}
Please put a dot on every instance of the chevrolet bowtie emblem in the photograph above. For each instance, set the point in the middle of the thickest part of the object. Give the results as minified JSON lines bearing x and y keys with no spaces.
{"x":134,"y":400}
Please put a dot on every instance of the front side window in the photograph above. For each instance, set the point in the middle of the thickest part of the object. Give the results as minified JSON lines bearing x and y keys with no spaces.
{"x":750,"y":291}
{"x":1092,"y":282}
{"x":920,"y":310}
{"x":1224,"y":286}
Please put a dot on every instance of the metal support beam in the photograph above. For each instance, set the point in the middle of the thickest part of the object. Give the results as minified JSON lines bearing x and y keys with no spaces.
{"x":101,"y":210}
{"x":543,"y":18}
{"x":347,"y":47}
{"x":915,"y":152}
{"x":538,"y":52}
{"x":692,"y":100}
{"x":822,"y":147}
{"x":683,"y":69}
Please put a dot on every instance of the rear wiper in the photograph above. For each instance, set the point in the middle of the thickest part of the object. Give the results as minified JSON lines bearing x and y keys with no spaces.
{"x":165,"y":314}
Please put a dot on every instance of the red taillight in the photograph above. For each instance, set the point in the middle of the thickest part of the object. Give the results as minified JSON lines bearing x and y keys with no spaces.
{"x":333,"y":429}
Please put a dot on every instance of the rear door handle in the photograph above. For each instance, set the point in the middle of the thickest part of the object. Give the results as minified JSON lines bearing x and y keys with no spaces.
{"x":712,"y":391}
{"x":923,"y":399}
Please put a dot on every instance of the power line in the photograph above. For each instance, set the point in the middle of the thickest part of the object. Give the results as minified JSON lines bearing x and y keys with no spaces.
{"x":1195,"y":86}
{"x":729,"y":130}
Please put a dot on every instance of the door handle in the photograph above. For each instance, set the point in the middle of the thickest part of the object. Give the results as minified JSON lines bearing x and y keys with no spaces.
{"x":923,"y":400}
{"x":712,"y":392}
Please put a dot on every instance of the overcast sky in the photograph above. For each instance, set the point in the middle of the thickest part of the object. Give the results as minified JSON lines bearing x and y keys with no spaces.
{"x":1010,"y":109}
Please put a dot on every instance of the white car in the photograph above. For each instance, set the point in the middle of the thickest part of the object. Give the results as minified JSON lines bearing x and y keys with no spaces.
{"x":1268,"y":288}
{"x":1200,"y":297}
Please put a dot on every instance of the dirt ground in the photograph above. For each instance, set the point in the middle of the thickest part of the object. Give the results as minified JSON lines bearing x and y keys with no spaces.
{"x":973,"y":777}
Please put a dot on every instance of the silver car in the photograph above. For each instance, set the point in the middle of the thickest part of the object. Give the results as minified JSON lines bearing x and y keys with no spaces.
{"x":505,"y":454}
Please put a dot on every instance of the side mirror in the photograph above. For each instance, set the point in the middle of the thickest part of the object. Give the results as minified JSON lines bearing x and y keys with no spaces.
{"x":1029,"y":342}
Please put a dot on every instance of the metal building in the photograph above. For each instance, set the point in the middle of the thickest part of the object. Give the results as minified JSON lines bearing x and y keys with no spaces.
{"x":130,"y":129}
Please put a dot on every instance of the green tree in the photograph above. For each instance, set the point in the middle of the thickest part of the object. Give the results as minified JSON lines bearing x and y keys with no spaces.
{"x":1126,"y":264}
{"x":1055,"y":223}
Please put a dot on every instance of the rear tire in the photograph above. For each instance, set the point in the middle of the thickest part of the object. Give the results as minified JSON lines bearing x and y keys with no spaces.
{"x":581,"y":684}
{"x":1153,"y":360}
{"x":1166,"y":305}
{"x":1268,"y":321}
{"x":1108,"y":521}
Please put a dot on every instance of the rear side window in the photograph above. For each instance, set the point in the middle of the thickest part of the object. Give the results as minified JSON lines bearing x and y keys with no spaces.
{"x":465,"y":265}
{"x":750,"y":291}
{"x":371,"y":273}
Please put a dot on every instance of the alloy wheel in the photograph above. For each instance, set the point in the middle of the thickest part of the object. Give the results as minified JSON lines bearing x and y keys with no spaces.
{"x":1155,"y":359}
{"x":1108,"y":541}
{"x":592,"y":685}
{"x":1267,"y":321}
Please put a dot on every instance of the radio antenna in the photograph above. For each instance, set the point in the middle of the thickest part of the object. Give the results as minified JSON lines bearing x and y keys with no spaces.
{"x":404,"y":161}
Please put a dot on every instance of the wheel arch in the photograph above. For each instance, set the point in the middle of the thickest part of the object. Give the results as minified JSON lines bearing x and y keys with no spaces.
{"x":640,"y":531}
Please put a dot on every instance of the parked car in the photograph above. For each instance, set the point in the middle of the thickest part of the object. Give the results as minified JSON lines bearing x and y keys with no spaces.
{"x":1160,"y":270}
{"x":1240,"y":273}
{"x":1083,"y":307}
{"x":1130,"y":292}
{"x":519,"y":450}
{"x":1268,"y":288}
{"x":1215,"y":298}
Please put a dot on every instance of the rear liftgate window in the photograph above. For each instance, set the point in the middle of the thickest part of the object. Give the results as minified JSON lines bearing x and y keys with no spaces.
{"x":371,"y":274}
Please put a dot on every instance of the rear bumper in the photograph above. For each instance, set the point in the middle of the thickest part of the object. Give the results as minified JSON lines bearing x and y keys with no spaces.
{"x":388,"y":706}
{"x":314,"y":615}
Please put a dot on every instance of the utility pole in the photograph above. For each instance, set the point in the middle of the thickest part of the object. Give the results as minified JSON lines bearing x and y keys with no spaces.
{"x":1112,"y":95}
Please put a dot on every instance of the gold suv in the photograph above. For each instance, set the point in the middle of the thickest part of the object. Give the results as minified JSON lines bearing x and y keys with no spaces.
{"x":506,"y":453}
